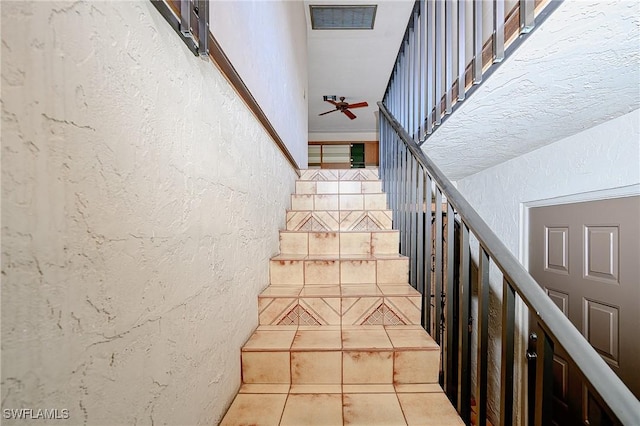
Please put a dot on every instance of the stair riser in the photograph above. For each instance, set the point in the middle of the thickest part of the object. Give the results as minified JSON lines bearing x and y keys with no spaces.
{"x":331,"y":272}
{"x":391,"y":310}
{"x":334,"y":243}
{"x":350,"y":175}
{"x":339,"y":202}
{"x":346,"y":367}
{"x":336,"y":187}
{"x":326,"y":221}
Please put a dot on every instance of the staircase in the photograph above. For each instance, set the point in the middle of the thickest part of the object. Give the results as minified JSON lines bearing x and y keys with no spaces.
{"x":339,"y":339}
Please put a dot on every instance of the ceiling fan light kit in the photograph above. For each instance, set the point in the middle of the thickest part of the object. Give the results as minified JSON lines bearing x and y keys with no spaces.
{"x":343,"y":106}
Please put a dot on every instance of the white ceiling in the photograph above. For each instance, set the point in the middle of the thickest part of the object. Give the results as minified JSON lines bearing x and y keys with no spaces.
{"x":579,"y":68}
{"x":355,"y":64}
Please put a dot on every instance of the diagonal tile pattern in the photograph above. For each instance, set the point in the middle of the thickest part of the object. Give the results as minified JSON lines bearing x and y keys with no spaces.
{"x":339,"y":339}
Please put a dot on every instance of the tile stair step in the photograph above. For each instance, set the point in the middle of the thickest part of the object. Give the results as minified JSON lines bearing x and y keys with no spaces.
{"x":336,"y":220}
{"x":349,"y":304}
{"x":339,"y":340}
{"x":298,"y":405}
{"x":292,"y":269}
{"x":401,"y":354}
{"x":385,"y":242}
{"x":338,"y":187}
{"x":342,"y":202}
{"x":347,"y":175}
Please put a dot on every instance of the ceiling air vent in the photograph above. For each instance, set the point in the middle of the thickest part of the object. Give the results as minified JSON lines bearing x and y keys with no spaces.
{"x":343,"y":17}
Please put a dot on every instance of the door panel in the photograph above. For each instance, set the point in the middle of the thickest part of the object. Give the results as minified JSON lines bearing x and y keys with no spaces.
{"x":586,"y":256}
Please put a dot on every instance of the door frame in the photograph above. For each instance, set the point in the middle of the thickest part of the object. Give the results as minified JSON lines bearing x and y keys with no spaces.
{"x":522,"y":313}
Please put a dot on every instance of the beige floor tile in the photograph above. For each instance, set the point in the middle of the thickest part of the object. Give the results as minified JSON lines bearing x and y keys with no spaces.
{"x":296,"y":219}
{"x":356,"y":310}
{"x":289,"y":256}
{"x":316,"y":388}
{"x":264,"y":388}
{"x":368,"y":409}
{"x":375,"y":201}
{"x":263,"y":339}
{"x":324,"y":243}
{"x":312,"y":409}
{"x":294,"y":242}
{"x":417,"y":387}
{"x":266,"y":367}
{"x":359,"y":367}
{"x":357,"y":271}
{"x":326,"y":310}
{"x":401,"y":337}
{"x":350,"y":187}
{"x":322,"y":272}
{"x":328,"y":187}
{"x":277,"y":328}
{"x":395,"y":270}
{"x":370,"y":388}
{"x":316,"y":367}
{"x":321,"y":291}
{"x":305,"y":187}
{"x":355,"y":243}
{"x":351,"y":202}
{"x":385,"y":242}
{"x":273,"y":310}
{"x":405,"y":362}
{"x":428,"y":409}
{"x":406,"y":308}
{"x":254,"y":409}
{"x":365,"y":338}
{"x":324,"y":328}
{"x":319,"y":338}
{"x":402,"y":289}
{"x":281,"y":291}
{"x":286,"y":272}
{"x":302,"y":202}
{"x":371,"y":187}
{"x":382,"y":218}
{"x":360,"y":290}
{"x":325,"y":202}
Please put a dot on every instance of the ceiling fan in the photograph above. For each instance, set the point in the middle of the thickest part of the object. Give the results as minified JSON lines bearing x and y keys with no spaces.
{"x":344,"y":107}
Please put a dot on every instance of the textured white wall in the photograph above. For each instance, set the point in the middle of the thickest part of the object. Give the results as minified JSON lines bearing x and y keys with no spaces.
{"x":267,"y":43}
{"x":603,"y":157}
{"x":140,"y":204}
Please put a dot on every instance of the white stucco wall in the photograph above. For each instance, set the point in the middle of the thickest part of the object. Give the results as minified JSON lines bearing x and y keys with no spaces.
{"x":267,"y":43}
{"x":601,"y":158}
{"x":141,"y":201}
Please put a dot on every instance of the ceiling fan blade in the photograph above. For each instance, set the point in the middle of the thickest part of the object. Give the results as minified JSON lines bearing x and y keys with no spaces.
{"x":332,"y":102}
{"x":358,"y":105}
{"x":333,"y":110}
{"x":349,"y":114}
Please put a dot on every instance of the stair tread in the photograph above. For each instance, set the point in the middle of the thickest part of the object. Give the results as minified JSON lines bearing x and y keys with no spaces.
{"x":339,"y":338}
{"x":337,"y":256}
{"x":350,"y":290}
{"x":337,"y":404}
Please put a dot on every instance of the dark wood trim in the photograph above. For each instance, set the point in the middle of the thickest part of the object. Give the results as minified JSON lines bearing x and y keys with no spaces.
{"x":226,"y":68}
{"x":222,"y":62}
